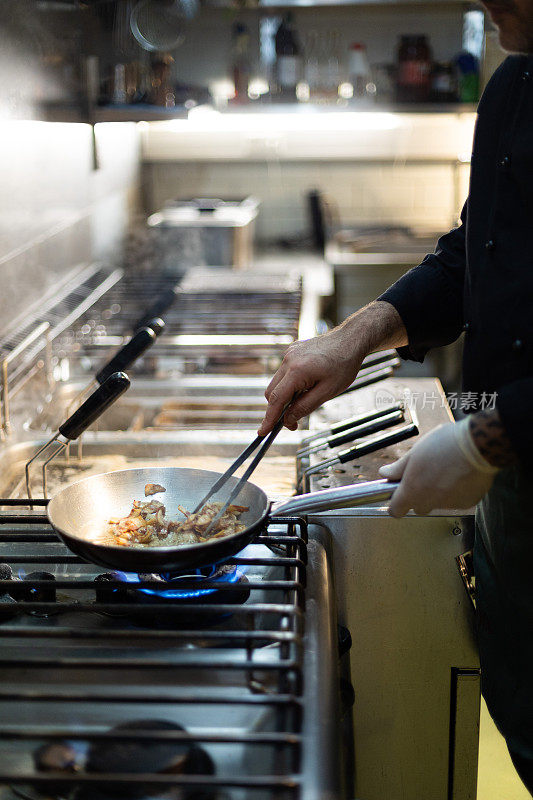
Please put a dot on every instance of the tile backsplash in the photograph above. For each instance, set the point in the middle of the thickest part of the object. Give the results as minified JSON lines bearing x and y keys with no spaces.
{"x":413,"y":171}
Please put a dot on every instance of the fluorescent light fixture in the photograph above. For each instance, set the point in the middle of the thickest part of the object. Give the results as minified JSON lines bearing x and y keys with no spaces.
{"x":204,"y":119}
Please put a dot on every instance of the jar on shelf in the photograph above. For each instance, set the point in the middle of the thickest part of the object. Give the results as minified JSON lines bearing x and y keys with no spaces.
{"x":414,"y":69}
{"x":444,"y":83}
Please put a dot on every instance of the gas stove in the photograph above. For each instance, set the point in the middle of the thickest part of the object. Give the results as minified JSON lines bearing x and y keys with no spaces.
{"x":221,"y":684}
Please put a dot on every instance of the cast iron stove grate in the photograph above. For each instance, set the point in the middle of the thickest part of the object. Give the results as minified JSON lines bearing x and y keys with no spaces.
{"x":221,"y":702}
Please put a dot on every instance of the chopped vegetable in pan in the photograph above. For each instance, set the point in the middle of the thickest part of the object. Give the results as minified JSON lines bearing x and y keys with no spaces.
{"x":147,"y":525}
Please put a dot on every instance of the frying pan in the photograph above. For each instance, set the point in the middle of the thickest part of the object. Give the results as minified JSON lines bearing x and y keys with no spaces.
{"x":79,"y":513}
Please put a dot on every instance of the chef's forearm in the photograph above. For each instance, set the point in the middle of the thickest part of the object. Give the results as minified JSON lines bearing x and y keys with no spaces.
{"x":491,"y":439}
{"x":377,"y":326}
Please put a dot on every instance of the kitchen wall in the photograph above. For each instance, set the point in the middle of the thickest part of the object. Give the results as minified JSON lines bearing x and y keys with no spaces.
{"x":377,"y":167}
{"x":56,"y":209}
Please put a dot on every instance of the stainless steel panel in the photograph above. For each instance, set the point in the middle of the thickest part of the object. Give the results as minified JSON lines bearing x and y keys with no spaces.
{"x":400,"y":594}
{"x":202,"y":401}
{"x":464,"y":735}
{"x":105,"y":452}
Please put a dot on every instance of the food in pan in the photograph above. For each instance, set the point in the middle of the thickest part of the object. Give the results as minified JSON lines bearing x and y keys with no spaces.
{"x":153,"y":488}
{"x":146,"y":525}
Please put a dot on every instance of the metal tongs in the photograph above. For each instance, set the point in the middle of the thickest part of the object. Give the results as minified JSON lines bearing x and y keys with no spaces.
{"x":261,"y":442}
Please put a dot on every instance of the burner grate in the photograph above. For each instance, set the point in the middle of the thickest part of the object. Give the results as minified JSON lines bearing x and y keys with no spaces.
{"x":81,"y":671}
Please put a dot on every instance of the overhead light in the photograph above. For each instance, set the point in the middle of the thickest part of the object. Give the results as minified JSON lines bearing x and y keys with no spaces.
{"x":303,"y":119}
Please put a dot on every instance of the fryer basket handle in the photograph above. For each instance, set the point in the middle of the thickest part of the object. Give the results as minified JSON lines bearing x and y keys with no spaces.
{"x":96,"y":404}
{"x":132,"y":350}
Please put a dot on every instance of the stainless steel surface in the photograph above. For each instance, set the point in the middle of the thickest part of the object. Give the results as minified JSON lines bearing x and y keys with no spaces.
{"x":423,"y":396}
{"x":104,"y":452}
{"x":401,"y":595}
{"x":191,"y":237}
{"x":203,"y":401}
{"x":324,"y":778}
{"x":28,"y":343}
{"x":31,"y":346}
{"x":365,"y":266}
{"x":360,"y":247}
{"x":213,"y":325}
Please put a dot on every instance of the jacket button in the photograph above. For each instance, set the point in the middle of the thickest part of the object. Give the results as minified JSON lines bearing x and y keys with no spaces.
{"x":490,"y":245}
{"x":526,"y":75}
{"x":504,"y":163}
{"x":466,"y":327}
{"x":518,"y":344}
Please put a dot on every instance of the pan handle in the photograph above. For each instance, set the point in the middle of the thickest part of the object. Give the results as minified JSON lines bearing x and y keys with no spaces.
{"x":96,"y":404}
{"x":125,"y":357}
{"x":357,"y":494}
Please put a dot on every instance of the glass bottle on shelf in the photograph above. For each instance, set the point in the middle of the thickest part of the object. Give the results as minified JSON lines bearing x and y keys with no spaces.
{"x":332,"y":77}
{"x":359,"y":73}
{"x":312,"y":65}
{"x":414,"y":69}
{"x":240,"y":58}
{"x":288,"y":60}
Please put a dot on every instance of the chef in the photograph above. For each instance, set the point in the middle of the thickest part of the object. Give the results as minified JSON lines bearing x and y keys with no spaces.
{"x":479,"y":280}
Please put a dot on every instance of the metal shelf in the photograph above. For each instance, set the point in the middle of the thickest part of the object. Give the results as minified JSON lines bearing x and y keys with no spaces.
{"x":126,"y":113}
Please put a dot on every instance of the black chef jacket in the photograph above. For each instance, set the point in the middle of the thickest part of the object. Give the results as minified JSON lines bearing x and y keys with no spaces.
{"x":480,"y":277}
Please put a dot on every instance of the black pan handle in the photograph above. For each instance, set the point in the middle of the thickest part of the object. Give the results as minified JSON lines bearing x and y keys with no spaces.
{"x":360,"y":419}
{"x":157,"y":325}
{"x":96,"y":404}
{"x":377,"y":442}
{"x":125,"y":357}
{"x":368,"y":378}
{"x":377,"y":358}
{"x":379,"y":424}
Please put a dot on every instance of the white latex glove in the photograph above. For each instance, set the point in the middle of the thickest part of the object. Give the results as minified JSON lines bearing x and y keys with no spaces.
{"x":444,"y":469}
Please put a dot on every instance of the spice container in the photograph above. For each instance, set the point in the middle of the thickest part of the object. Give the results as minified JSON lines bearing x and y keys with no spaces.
{"x":444,"y":83}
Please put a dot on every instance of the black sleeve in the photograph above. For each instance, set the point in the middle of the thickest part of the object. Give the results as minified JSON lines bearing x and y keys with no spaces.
{"x":514,"y":403}
{"x":429,"y":298}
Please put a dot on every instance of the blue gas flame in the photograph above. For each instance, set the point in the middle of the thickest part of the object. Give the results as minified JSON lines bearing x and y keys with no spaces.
{"x":185,"y":594}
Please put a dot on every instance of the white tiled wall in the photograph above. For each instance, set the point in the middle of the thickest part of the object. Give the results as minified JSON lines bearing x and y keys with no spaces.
{"x":409,"y":173}
{"x":412,"y":194}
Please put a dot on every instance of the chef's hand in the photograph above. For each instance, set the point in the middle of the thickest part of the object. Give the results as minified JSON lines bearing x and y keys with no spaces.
{"x":444,"y":469}
{"x":319,"y":369}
